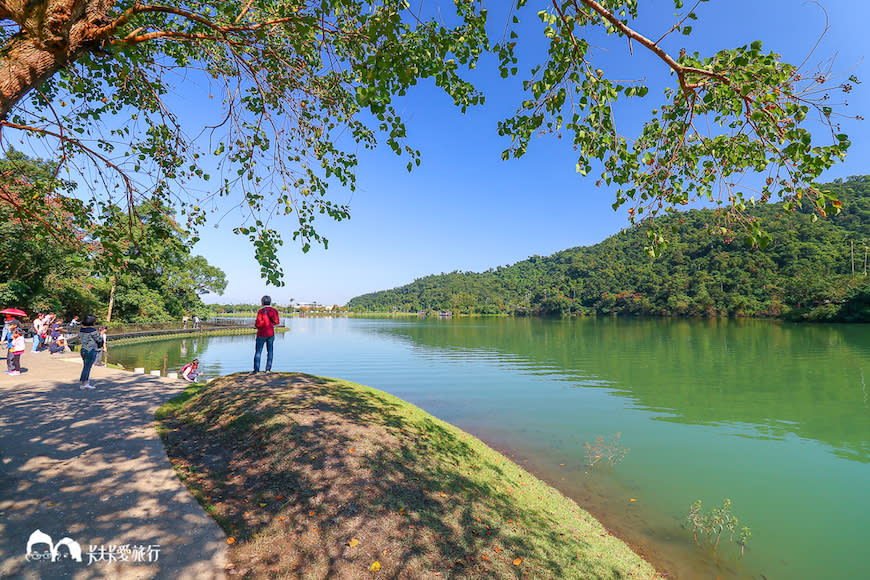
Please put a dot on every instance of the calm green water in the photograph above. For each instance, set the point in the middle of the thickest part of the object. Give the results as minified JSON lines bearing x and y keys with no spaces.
{"x":774,"y":416}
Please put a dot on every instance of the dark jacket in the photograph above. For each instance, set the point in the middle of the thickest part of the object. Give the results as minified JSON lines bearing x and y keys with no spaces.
{"x":91,"y":339}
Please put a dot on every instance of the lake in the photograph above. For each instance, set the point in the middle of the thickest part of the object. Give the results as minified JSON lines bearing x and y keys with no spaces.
{"x":773,"y":416}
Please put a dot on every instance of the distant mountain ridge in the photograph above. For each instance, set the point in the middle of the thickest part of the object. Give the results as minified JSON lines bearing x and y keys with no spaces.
{"x":810,"y":271}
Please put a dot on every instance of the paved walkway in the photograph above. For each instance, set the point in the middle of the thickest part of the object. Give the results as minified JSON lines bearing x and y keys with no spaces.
{"x":89,"y":466}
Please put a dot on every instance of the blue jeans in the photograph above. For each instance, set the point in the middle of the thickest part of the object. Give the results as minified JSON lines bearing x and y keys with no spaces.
{"x":35,"y":343}
{"x":88,"y":358}
{"x":269,"y":341}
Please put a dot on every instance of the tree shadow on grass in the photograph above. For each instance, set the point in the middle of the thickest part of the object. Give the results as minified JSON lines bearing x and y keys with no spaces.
{"x":319,"y":478}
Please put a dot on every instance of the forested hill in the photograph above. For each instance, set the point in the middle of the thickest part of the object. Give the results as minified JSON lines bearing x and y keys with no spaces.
{"x":809,"y":270}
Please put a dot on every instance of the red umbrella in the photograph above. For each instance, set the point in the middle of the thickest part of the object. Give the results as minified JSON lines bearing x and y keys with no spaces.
{"x":13,"y":312}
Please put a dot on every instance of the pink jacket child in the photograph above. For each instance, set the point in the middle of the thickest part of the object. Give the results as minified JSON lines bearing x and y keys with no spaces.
{"x":17,"y":350}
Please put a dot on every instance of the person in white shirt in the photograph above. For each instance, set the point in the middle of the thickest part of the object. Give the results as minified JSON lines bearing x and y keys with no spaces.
{"x":38,"y":325}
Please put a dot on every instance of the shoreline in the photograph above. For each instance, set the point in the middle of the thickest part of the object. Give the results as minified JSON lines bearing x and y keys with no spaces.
{"x":644,"y":552}
{"x":229,"y":400}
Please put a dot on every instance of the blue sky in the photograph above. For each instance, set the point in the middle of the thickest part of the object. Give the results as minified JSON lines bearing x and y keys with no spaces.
{"x":465,"y":209}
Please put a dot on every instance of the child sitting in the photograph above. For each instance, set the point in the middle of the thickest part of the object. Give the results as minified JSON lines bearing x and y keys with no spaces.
{"x":190,"y":371}
{"x":57,"y":345}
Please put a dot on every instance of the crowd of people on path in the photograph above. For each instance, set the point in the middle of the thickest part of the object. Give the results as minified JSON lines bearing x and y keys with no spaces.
{"x":50,"y":335}
{"x":47,"y":330}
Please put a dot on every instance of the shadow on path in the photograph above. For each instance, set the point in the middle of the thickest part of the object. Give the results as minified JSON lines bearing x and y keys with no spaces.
{"x":89,"y":465}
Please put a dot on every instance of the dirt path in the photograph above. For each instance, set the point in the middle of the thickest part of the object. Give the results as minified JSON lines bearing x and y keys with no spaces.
{"x":89,"y":466}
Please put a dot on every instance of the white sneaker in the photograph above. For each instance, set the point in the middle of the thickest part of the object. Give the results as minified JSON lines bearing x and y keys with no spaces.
{"x":87,"y":386}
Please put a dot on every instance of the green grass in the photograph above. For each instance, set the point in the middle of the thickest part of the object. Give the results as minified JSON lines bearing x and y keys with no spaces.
{"x":307,"y":464}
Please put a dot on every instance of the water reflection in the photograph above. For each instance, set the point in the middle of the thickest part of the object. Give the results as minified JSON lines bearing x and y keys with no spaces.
{"x":803,"y":380}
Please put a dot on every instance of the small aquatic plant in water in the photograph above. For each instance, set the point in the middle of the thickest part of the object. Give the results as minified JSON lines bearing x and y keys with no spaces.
{"x":709,"y":527}
{"x":609,"y":451}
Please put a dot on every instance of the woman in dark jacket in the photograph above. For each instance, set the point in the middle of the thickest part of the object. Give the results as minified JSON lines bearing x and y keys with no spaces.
{"x":92,"y":343}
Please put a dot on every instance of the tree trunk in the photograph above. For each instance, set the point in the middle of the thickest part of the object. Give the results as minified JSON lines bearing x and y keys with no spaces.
{"x":852,"y":254}
{"x":52,"y":34}
{"x":111,"y":303}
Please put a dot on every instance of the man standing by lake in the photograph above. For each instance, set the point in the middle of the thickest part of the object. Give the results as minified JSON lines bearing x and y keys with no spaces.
{"x":267,"y":318}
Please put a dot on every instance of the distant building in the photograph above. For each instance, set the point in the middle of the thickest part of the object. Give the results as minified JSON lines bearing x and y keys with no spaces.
{"x":313,"y":306}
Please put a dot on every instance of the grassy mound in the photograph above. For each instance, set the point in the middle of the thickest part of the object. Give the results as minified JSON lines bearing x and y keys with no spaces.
{"x":320,"y":478}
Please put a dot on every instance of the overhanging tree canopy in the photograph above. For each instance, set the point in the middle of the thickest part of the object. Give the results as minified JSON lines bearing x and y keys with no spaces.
{"x":304,"y":82}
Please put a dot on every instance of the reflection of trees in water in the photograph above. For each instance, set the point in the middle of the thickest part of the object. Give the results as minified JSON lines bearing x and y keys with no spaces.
{"x":170,"y":354}
{"x":780,"y":379}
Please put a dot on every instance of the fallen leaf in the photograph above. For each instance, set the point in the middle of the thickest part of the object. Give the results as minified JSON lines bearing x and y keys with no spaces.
{"x":375,"y":566}
{"x":311,"y":513}
{"x":352,"y":449}
{"x":518,"y":561}
{"x":497,"y":549}
{"x":262,"y":505}
{"x":401,"y":511}
{"x":632,"y":499}
{"x":353,"y":543}
{"x":231,"y":540}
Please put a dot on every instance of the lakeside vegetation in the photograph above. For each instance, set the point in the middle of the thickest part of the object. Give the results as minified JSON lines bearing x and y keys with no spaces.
{"x":810,"y":270}
{"x":132,"y":267}
{"x":316,"y":477}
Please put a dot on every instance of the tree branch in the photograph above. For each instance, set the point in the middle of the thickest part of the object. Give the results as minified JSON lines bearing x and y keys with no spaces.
{"x":76,"y":143}
{"x":632,"y":34}
{"x":107,"y":31}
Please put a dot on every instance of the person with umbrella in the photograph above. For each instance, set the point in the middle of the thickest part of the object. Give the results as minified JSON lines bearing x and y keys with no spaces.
{"x":10,"y":314}
{"x":7,"y":324}
{"x":16,"y":348}
{"x":14,"y":329}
